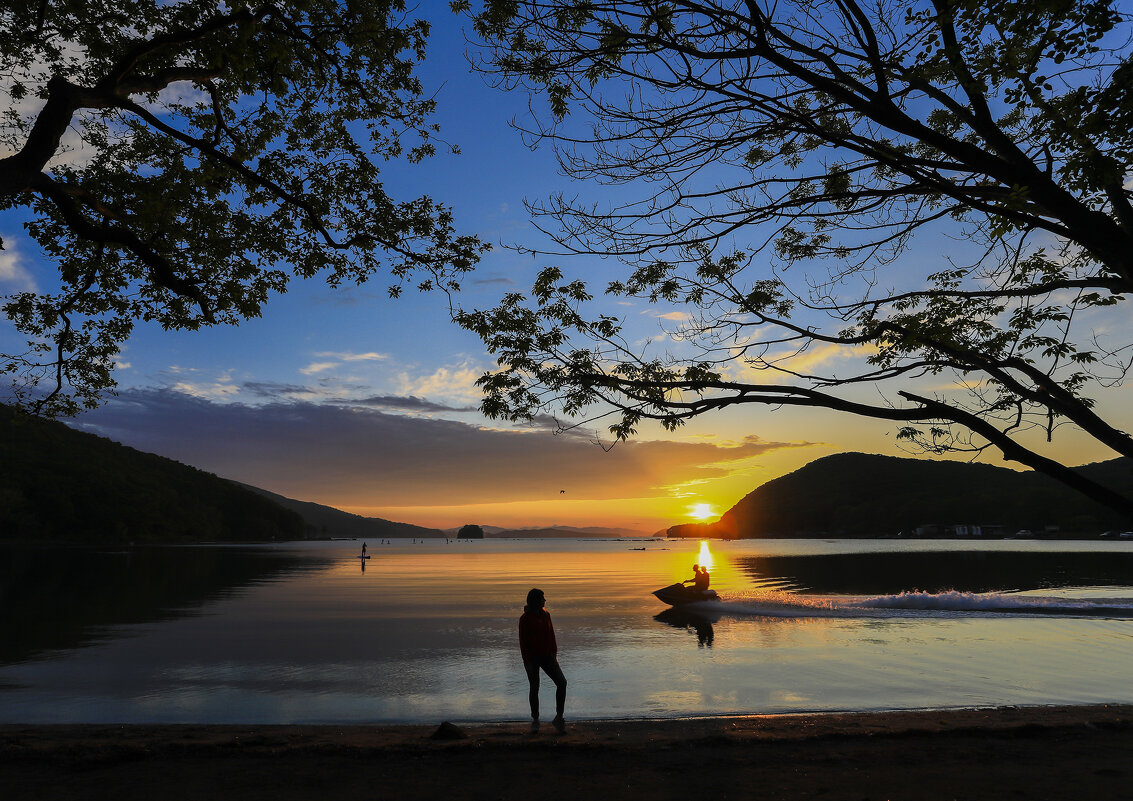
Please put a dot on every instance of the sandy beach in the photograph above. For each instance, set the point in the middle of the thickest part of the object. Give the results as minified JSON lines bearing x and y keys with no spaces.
{"x":1003,"y":753}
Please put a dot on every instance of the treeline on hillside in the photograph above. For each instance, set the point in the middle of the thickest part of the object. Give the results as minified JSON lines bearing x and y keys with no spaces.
{"x":866,"y":495}
{"x":65,"y":485}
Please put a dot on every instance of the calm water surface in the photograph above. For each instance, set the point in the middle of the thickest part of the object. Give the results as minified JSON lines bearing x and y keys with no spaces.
{"x":427,"y":632}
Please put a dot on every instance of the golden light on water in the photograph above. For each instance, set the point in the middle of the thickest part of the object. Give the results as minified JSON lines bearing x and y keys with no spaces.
{"x":701,"y":511}
{"x":704,"y":559}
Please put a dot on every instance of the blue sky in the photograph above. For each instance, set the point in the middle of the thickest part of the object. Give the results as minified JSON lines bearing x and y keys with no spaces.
{"x":344,"y":397}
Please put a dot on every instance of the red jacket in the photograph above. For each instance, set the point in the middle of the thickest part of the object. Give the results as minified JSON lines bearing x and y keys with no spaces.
{"x":536,"y":635}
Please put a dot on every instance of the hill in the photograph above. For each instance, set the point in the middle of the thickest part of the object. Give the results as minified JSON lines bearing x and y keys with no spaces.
{"x":59,"y":484}
{"x":326,"y":521}
{"x":868,"y":495}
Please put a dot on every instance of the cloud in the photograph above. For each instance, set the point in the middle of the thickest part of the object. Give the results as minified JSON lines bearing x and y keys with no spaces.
{"x":318,"y":367}
{"x":338,"y":359}
{"x":351,"y":456}
{"x":344,"y":296}
{"x":502,"y":280}
{"x":14,"y":276}
{"x":352,"y":357}
{"x":217,"y":390}
{"x":675,"y":316}
{"x":410,"y":403}
{"x":817,"y":355}
{"x":452,"y":383}
{"x":271,"y":389}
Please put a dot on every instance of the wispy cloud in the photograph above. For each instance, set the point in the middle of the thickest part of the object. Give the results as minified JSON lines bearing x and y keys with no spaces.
{"x":806,"y":361}
{"x":501,"y":280}
{"x":318,"y":367}
{"x":207,"y":391}
{"x":352,"y":357}
{"x":274,"y":390}
{"x":406,"y":403}
{"x":333,"y":359}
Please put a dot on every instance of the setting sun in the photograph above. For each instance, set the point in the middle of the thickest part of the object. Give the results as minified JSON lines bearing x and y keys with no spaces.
{"x":701,"y":511}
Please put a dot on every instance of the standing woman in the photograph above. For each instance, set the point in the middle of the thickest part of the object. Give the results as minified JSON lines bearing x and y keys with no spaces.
{"x":540,"y":651}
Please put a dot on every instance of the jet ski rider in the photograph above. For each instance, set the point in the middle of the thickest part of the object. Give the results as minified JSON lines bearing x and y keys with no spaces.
{"x":700,"y":578}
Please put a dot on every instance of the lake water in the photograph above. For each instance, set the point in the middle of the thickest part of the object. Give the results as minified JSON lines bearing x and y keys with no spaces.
{"x":300,"y":633}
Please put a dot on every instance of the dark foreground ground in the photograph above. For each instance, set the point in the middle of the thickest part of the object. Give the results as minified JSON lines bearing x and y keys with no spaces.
{"x":1001,"y":754}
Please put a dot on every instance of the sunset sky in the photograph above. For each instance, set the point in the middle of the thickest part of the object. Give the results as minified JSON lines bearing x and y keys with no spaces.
{"x":344,"y":397}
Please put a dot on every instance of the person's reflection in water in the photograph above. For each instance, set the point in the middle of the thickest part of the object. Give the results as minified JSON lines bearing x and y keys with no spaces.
{"x":540,"y":652}
{"x":705,"y":634}
{"x":679,"y":619}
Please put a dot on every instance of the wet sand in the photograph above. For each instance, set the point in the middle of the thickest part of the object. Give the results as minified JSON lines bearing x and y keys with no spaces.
{"x":1005,"y":753}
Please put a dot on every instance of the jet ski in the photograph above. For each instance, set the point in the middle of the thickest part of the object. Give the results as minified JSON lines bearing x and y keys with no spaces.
{"x":678,"y":594}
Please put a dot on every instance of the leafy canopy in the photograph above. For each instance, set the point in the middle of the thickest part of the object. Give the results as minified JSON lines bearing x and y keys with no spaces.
{"x":180,"y":162}
{"x":935,"y":192}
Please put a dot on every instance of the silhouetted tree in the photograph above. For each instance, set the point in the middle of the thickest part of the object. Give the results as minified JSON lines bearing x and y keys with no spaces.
{"x":826,"y":138}
{"x":470,"y":532}
{"x":182,"y":161}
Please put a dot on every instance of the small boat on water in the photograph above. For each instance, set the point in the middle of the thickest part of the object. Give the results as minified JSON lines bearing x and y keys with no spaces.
{"x":678,"y":594}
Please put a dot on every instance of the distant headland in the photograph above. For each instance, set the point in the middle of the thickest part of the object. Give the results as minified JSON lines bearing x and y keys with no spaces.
{"x":868,"y":495}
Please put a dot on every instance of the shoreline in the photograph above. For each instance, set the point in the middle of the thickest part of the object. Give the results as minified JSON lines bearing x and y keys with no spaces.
{"x":1055,"y":752}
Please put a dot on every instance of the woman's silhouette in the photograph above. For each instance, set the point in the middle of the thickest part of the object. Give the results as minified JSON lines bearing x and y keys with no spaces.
{"x":540,"y":652}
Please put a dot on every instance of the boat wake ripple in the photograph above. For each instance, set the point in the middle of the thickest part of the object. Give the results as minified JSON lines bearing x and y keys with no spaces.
{"x":914,"y":604}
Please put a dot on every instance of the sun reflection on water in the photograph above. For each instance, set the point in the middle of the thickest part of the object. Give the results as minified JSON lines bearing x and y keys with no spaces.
{"x":705,"y":556}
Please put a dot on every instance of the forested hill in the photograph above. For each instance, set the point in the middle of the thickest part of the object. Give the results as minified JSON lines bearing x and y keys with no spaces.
{"x":866,"y":495}
{"x":65,"y":485}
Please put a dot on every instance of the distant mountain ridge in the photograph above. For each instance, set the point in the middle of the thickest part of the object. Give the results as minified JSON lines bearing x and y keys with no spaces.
{"x":869,"y":495}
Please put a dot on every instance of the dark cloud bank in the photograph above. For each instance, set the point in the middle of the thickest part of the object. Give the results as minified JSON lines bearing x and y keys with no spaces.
{"x":360,"y":456}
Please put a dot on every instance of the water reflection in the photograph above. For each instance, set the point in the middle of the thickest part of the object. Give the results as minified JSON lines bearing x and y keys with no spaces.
{"x":938,"y":571}
{"x":58,"y":599}
{"x":683,"y":619}
{"x":428,"y":632}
